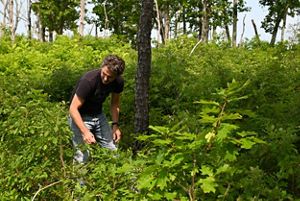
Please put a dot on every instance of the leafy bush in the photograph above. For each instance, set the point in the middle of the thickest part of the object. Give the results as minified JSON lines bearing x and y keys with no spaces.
{"x":196,"y":151}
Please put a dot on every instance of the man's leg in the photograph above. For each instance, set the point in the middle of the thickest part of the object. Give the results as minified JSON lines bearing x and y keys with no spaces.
{"x":81,"y":153}
{"x":103,"y":133}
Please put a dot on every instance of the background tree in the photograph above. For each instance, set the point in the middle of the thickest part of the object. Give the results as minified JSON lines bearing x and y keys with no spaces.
{"x":11,"y":19}
{"x":141,"y":122}
{"x":278,"y":10}
{"x":29,"y":6}
{"x":205,"y":20}
{"x":234,"y":22}
{"x":82,"y":16}
{"x":120,"y":17}
{"x":4,"y":13}
{"x":57,"y":15}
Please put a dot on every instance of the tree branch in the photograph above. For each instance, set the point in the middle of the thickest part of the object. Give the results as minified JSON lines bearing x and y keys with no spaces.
{"x":48,"y":186}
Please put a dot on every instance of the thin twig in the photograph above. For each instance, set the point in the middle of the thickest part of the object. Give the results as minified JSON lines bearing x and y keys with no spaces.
{"x":195,"y":47}
{"x":52,"y":184}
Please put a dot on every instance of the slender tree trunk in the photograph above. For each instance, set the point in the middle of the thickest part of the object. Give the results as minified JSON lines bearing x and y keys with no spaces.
{"x":43,"y":34}
{"x":214,"y":33}
{"x":234,"y":25}
{"x":141,"y":122}
{"x":167,"y":24}
{"x":82,"y":16}
{"x":51,"y":36}
{"x":176,"y":25}
{"x":274,"y":34}
{"x":29,"y":32}
{"x":255,"y":30}
{"x":162,"y":29}
{"x":17,"y":18}
{"x":11,"y":19}
{"x":205,"y":22}
{"x":96,"y":30}
{"x":184,"y":20}
{"x":227,"y":33}
{"x":157,"y":21}
{"x":3,"y":26}
{"x":283,"y":26}
{"x":243,"y":30}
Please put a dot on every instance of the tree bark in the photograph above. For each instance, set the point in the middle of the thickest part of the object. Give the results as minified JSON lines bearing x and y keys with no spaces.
{"x":3,"y":26}
{"x":234,"y":25}
{"x":243,"y":30}
{"x":141,"y":122}
{"x":255,"y":30}
{"x":283,"y":25}
{"x":29,"y":32}
{"x":274,"y":33}
{"x":11,"y":19}
{"x":82,"y":16}
{"x":184,"y":20}
{"x":158,"y":21}
{"x":205,"y":22}
{"x":167,"y":23}
{"x":227,"y":33}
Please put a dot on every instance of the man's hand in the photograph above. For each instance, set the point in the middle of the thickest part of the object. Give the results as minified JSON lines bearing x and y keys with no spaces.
{"x":88,"y":138}
{"x":116,"y":134}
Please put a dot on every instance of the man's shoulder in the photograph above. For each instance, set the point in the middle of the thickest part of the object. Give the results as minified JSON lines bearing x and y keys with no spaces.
{"x":120,"y":79}
{"x":92,"y":74}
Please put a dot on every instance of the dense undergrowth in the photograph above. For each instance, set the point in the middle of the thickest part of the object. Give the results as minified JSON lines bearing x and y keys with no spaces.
{"x":224,"y":123}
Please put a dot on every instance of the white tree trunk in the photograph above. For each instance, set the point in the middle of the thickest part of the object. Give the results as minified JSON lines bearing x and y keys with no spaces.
{"x":82,"y":15}
{"x":11,"y":19}
{"x":234,"y":25}
{"x":158,"y":21}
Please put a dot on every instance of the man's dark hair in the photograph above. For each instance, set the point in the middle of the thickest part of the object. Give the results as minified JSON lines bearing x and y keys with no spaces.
{"x":114,"y":63}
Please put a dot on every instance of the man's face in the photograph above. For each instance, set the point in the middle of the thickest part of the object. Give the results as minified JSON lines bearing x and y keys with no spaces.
{"x":107,"y":76}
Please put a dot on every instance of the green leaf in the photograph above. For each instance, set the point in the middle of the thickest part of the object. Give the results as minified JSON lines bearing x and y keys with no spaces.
{"x":231,"y":156}
{"x":222,"y":169}
{"x":205,"y":102}
{"x":232,"y":116}
{"x":160,"y":129}
{"x":186,"y":136}
{"x":237,"y":99}
{"x":208,"y":184}
{"x":205,"y":170}
{"x":162,"y":179}
{"x":170,"y":196}
{"x":246,"y":143}
{"x":145,"y":182}
{"x":246,"y":133}
{"x":176,"y":159}
{"x":162,"y":142}
{"x":225,"y":130}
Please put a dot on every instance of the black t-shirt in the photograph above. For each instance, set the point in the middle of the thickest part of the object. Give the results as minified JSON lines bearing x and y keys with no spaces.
{"x":94,"y":92}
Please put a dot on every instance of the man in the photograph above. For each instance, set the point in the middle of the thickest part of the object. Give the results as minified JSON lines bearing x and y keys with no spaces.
{"x":87,"y":119}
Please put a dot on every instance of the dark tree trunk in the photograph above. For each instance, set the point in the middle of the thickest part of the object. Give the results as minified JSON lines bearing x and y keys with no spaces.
{"x":274,"y":33}
{"x":234,"y":25}
{"x":29,"y":19}
{"x":50,"y":36}
{"x":184,"y":20}
{"x":255,"y":30}
{"x":141,"y":122}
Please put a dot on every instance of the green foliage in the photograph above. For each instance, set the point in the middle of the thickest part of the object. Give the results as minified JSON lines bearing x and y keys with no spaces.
{"x":186,"y":165}
{"x":57,"y":15}
{"x":120,"y":17}
{"x":223,"y":119}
